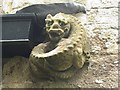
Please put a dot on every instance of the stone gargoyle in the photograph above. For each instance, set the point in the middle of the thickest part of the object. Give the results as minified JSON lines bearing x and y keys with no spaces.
{"x":66,"y":50}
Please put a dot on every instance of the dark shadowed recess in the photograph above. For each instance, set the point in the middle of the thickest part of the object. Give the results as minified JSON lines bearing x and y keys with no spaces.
{"x":25,"y":29}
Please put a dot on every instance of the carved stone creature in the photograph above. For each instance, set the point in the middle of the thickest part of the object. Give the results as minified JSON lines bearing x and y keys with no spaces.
{"x":66,"y":51}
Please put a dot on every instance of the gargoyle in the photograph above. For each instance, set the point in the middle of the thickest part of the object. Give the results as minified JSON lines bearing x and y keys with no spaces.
{"x":65,"y":52}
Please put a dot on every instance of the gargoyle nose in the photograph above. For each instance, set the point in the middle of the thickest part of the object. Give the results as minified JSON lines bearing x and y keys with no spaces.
{"x":55,"y":26}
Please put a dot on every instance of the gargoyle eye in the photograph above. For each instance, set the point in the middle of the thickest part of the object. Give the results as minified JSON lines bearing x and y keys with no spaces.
{"x":61,"y":23}
{"x":49,"y":22}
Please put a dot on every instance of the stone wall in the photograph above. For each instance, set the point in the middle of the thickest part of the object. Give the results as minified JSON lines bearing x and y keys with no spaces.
{"x":103,"y":25}
{"x":101,"y":21}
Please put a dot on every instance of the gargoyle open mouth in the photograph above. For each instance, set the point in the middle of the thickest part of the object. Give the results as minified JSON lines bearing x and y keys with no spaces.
{"x":56,"y":35}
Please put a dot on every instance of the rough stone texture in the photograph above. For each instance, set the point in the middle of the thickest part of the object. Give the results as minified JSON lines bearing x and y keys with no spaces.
{"x":101,"y":19}
{"x":101,"y":22}
{"x":64,"y":58}
{"x":102,"y":74}
{"x":102,"y":25}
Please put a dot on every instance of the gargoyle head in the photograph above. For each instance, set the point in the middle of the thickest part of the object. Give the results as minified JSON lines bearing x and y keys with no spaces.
{"x":57,"y":27}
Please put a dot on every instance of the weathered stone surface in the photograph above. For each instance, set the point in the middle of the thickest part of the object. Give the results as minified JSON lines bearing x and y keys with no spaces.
{"x":66,"y":50}
{"x":97,"y":26}
{"x":102,"y":3}
{"x":101,"y":14}
{"x":105,"y":70}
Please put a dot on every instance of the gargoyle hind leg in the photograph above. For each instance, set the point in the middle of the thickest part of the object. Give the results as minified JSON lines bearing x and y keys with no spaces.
{"x":79,"y":58}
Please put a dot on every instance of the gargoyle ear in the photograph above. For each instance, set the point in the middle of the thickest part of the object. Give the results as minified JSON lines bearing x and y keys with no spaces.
{"x":49,"y":16}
